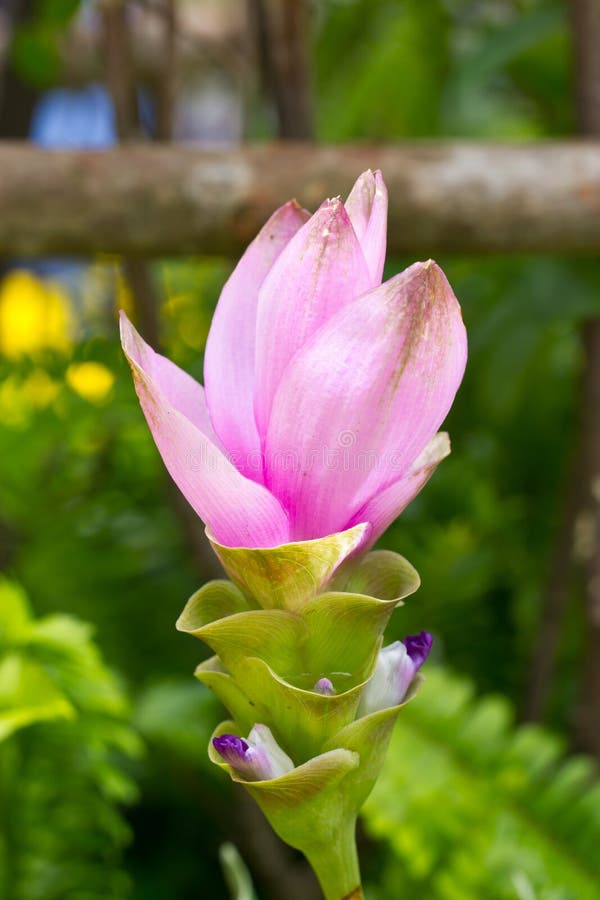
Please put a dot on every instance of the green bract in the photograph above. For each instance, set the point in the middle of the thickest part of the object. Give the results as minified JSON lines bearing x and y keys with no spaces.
{"x":285,"y":577}
{"x":295,"y":616}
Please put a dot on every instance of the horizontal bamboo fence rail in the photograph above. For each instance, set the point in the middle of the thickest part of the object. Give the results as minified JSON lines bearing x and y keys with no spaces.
{"x":151,"y":200}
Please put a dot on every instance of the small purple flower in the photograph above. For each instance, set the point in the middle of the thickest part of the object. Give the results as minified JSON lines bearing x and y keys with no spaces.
{"x":324,"y":686}
{"x":418,"y":647}
{"x":232,"y":748}
{"x":397,"y":665}
{"x":259,"y":758}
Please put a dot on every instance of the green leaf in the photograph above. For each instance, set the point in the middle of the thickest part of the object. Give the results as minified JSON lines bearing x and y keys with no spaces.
{"x":236,"y":874}
{"x":15,"y":614}
{"x":28,"y":695}
{"x":178,"y":715}
{"x":63,"y":645}
{"x":64,"y":737}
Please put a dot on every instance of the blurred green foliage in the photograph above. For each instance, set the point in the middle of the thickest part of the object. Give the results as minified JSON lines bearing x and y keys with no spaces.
{"x":404,"y":68}
{"x":238,"y":877}
{"x":468,"y":807}
{"x":65,"y":738}
{"x":35,"y":48}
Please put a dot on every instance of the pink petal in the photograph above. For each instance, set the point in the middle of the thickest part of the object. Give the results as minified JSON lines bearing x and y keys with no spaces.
{"x":384,"y":507}
{"x":180,"y":390}
{"x":229,"y":357}
{"x":362,"y":399}
{"x":367,"y":206}
{"x":321,"y":270}
{"x":237,"y":511}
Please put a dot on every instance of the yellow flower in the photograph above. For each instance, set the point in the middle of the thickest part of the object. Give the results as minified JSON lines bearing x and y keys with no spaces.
{"x":91,"y":380}
{"x":34,"y":315}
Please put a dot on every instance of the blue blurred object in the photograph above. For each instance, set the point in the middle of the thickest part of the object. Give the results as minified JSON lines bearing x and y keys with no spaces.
{"x":70,"y":119}
{"x":67,"y":119}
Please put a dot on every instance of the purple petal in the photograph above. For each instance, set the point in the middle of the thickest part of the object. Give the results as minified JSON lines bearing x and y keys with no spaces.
{"x":418,"y":647}
{"x":397,"y":665}
{"x":367,"y":206}
{"x":237,"y":511}
{"x":385,"y":506}
{"x":232,"y":748}
{"x":229,"y":357}
{"x":362,"y":399}
{"x":253,"y":764}
{"x":257,"y":759}
{"x":324,"y":686}
{"x":321,"y":270}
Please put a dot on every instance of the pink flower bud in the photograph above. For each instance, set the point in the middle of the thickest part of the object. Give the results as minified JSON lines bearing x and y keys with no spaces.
{"x":324,"y":389}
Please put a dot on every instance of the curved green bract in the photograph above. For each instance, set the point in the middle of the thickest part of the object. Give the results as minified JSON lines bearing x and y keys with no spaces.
{"x":213,"y":601}
{"x":381,"y":573}
{"x":304,"y":720}
{"x":302,"y":806}
{"x":368,"y":736}
{"x":286,"y":577}
{"x":295,"y":615}
{"x":273,"y":634}
{"x":337,"y":635}
{"x":229,"y":692}
{"x":345,"y":632}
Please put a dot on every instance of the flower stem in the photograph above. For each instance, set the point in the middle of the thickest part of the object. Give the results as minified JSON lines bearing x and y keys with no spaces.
{"x":336,"y":866}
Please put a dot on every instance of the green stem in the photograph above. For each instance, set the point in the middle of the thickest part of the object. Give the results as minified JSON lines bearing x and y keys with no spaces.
{"x":336,"y":866}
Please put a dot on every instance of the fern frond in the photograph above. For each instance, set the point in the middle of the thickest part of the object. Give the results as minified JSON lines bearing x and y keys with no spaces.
{"x":472,"y":807}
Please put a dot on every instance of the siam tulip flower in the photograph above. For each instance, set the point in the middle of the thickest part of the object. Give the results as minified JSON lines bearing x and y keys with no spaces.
{"x":259,"y":758}
{"x":318,"y":423}
{"x":397,"y":665}
{"x":324,"y":389}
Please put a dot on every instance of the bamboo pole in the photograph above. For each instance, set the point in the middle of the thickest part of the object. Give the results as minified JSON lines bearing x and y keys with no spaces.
{"x":142,"y":200}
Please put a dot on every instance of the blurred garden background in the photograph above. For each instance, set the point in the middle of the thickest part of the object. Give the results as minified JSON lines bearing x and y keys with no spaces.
{"x":106,"y":791}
